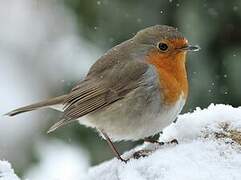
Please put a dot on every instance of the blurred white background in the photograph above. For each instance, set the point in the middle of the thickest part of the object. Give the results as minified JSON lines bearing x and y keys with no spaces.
{"x":40,"y":52}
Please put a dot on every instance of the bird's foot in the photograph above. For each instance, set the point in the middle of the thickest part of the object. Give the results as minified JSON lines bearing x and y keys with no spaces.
{"x":174,"y":141}
{"x":142,"y":153}
{"x":123,"y":160}
{"x":154,"y":142}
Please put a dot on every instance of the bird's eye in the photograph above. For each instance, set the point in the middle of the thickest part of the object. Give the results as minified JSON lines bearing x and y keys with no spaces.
{"x":162,"y":46}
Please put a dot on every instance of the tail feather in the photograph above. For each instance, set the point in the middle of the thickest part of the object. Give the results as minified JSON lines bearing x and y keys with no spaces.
{"x":57,"y":125}
{"x":42,"y":104}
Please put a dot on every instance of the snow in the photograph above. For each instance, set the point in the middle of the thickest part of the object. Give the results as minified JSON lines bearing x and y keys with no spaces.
{"x":200,"y":160}
{"x":209,"y":147}
{"x":200,"y":155}
{"x":6,"y":171}
{"x":190,"y":126}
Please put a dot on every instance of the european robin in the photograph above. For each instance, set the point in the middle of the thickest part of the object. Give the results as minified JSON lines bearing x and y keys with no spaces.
{"x":133,"y":91}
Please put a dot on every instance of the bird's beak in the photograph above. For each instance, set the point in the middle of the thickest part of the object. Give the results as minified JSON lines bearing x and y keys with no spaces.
{"x":190,"y":48}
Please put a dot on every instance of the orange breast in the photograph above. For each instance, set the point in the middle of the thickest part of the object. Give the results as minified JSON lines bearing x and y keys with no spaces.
{"x":172,"y":74}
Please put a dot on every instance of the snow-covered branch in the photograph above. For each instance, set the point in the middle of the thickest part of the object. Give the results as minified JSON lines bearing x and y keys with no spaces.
{"x":209,"y":148}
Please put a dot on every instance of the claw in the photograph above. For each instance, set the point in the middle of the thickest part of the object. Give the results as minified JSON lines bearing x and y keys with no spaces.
{"x":154,"y":142}
{"x":144,"y":153}
{"x":174,"y":141}
{"x":124,"y":160}
{"x":141,"y":153}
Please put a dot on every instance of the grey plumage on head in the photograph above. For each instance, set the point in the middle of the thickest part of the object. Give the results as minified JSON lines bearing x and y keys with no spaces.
{"x":156,"y":33}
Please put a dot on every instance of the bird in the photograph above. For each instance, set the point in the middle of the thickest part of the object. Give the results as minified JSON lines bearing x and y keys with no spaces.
{"x":132,"y":92}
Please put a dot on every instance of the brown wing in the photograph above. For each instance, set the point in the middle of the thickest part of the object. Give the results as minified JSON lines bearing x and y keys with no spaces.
{"x":96,"y":92}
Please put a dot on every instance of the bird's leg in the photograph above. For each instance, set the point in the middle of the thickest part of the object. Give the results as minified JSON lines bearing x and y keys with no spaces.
{"x":113,"y":148}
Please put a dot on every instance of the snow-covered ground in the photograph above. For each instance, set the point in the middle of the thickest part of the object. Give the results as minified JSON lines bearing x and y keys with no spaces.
{"x":209,"y":148}
{"x":6,"y":171}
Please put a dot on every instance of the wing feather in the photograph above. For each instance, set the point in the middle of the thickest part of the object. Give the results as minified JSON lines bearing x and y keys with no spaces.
{"x":95,"y":93}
